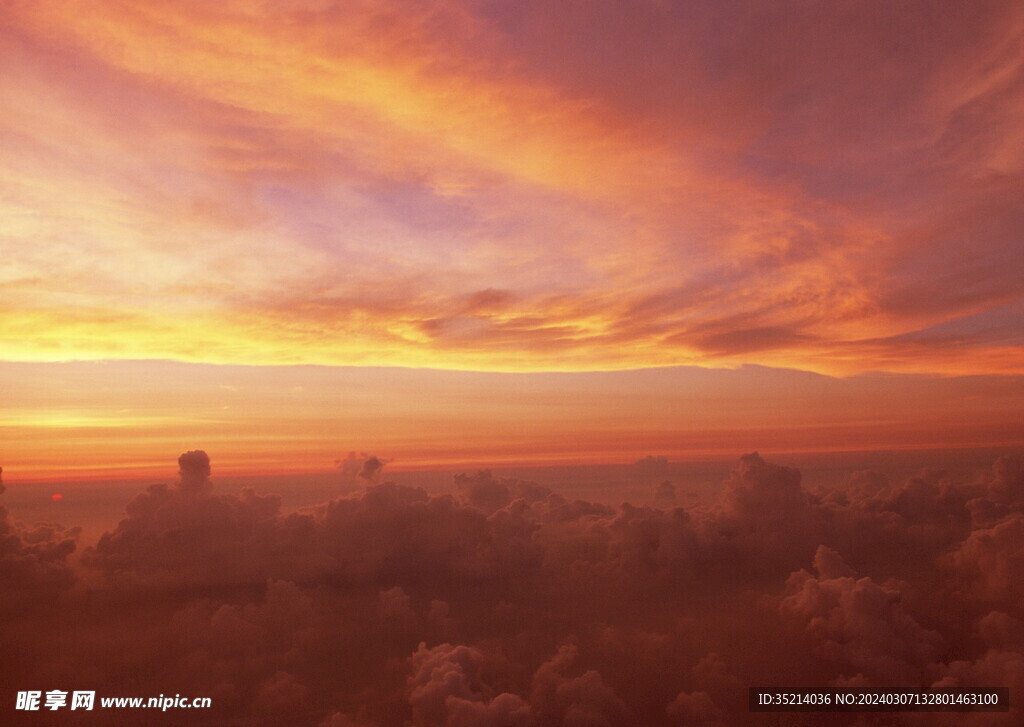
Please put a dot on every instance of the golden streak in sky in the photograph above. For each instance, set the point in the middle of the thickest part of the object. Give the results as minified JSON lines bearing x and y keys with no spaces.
{"x":482,"y":187}
{"x":304,"y":183}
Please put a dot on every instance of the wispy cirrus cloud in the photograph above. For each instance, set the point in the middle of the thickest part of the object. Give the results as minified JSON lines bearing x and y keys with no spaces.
{"x":337,"y":182}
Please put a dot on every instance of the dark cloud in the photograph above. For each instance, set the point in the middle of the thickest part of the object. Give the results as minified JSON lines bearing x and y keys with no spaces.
{"x":749,"y":340}
{"x":34,"y":561}
{"x":194,"y":470}
{"x":371,"y":469}
{"x":361,"y":468}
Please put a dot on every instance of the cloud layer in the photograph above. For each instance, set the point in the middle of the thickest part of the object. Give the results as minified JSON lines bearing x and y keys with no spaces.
{"x":477,"y":186}
{"x":508,"y":604}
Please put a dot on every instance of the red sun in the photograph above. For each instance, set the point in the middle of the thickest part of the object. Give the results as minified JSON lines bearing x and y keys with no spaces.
{"x":56,"y":497}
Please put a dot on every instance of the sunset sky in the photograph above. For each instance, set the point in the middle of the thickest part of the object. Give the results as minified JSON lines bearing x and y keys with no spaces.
{"x":487,"y":231}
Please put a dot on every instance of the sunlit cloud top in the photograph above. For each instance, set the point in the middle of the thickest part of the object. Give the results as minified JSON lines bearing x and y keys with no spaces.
{"x":514,"y":186}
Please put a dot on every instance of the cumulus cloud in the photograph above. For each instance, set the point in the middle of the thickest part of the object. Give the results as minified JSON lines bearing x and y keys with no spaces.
{"x":989,"y":564}
{"x":697,"y":709}
{"x":34,"y":560}
{"x":194,"y":472}
{"x":449,"y":685}
{"x":486,"y":492}
{"x":508,"y":604}
{"x":190,"y":535}
{"x":581,"y":701}
{"x":361,"y":468}
{"x":858,"y":623}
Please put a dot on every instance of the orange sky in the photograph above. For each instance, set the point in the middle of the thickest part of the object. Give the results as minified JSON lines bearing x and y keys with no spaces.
{"x":120,"y":419}
{"x":485,"y":186}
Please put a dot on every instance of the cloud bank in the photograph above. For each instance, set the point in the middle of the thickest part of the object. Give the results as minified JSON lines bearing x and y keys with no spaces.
{"x":508,"y":604}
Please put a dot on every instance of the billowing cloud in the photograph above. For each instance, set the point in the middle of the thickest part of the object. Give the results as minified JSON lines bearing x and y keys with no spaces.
{"x":34,"y":561}
{"x":194,"y":470}
{"x":360,"y":468}
{"x":859,"y":624}
{"x":508,"y":604}
{"x":448,"y":686}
